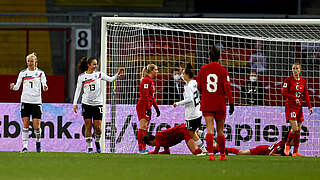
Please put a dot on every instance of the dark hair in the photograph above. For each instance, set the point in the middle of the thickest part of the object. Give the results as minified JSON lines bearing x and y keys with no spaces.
{"x":214,"y":53}
{"x":148,"y":138}
{"x":83,"y":64}
{"x":189,"y":70}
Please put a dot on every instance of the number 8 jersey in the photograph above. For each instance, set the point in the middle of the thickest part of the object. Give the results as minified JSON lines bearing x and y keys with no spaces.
{"x":91,"y":84}
{"x":32,"y":80}
{"x":214,"y":84}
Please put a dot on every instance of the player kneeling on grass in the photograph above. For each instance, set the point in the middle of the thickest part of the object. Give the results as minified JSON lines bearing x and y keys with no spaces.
{"x":191,"y":103}
{"x":170,"y":137}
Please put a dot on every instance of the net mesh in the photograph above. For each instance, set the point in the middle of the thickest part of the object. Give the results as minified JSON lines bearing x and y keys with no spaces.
{"x":268,"y":50}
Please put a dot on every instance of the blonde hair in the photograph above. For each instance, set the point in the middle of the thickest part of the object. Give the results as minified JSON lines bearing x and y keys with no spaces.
{"x":146,"y":70}
{"x":297,"y":64}
{"x":34,"y":56}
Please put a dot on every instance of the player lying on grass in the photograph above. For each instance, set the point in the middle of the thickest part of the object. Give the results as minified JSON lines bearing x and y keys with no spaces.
{"x":276,"y":149}
{"x":170,"y":137}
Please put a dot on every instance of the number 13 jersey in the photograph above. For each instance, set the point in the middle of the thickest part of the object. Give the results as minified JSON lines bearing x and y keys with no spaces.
{"x":91,"y":84}
{"x":214,"y":85}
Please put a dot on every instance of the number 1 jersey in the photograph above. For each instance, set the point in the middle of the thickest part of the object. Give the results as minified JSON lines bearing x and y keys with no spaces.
{"x":214,"y":85}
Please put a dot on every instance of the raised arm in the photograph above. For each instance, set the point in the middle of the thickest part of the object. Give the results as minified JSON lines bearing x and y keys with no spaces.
{"x":15,"y":87}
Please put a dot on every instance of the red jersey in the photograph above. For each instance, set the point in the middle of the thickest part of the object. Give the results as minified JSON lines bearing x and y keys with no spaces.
{"x":147,"y":93}
{"x":171,"y":137}
{"x":275,"y":148}
{"x":268,"y":150}
{"x":295,"y":89}
{"x":214,"y":85}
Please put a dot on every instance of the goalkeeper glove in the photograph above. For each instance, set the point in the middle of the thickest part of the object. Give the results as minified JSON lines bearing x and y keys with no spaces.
{"x":231,"y":109}
{"x":158,"y":111}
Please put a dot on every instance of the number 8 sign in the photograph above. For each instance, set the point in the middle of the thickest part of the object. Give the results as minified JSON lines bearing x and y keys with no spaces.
{"x":83,"y":39}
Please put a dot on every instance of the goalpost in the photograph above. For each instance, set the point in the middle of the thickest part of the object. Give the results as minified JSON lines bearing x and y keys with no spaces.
{"x":266,"y":46}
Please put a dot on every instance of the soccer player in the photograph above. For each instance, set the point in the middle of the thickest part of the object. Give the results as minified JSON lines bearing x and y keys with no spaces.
{"x":295,"y":90}
{"x":33,"y":79}
{"x":170,"y":137}
{"x":145,"y":102}
{"x":191,"y":103}
{"x":276,"y":149}
{"x":90,"y":80}
{"x":214,"y":84}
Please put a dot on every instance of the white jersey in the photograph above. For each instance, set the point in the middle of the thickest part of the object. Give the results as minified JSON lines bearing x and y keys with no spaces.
{"x":91,"y":84}
{"x":191,"y":100}
{"x":31,"y":88}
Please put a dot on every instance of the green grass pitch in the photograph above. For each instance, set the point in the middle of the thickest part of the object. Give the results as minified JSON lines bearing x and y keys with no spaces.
{"x":77,"y":166}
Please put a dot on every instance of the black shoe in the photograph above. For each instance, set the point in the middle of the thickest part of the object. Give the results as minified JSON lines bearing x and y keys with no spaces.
{"x":90,"y":150}
{"x":24,"y":150}
{"x":98,"y":147}
{"x":38,"y":146}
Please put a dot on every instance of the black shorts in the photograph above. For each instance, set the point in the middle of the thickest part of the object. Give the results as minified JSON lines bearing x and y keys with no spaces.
{"x":193,"y":124}
{"x":27,"y":109}
{"x":92,"y":112}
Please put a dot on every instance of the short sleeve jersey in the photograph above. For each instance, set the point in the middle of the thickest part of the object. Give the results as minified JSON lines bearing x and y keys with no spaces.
{"x":214,"y":84}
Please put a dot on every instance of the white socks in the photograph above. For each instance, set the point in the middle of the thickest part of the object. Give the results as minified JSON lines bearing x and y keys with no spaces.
{"x":25,"y":137}
{"x":200,"y":144}
{"x":38,"y":135}
{"x":97,"y":137}
{"x":89,"y":141}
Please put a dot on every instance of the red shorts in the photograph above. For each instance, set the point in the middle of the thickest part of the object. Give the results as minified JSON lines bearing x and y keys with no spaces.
{"x":218,"y":115}
{"x":294,"y":114}
{"x":142,"y":113}
{"x":259,"y":150}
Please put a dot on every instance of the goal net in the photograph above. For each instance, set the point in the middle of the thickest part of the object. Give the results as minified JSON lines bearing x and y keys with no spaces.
{"x":258,"y":54}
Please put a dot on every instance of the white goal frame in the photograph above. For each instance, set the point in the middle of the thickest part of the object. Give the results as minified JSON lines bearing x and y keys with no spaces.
{"x":232,"y":21}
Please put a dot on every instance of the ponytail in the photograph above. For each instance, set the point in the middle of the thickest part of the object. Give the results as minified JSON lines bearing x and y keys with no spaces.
{"x":214,"y":53}
{"x":147,"y":70}
{"x":189,"y":70}
{"x":83,"y":65}
{"x":143,"y":73}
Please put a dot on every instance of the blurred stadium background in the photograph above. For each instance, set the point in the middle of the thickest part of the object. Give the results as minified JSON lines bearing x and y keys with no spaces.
{"x":49,"y":27}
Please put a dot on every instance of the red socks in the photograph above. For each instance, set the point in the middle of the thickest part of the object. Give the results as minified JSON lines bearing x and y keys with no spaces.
{"x":233,"y":150}
{"x":290,"y":137}
{"x":296,"y":141}
{"x":209,"y":140}
{"x":221,"y":140}
{"x":140,"y":135}
{"x":197,"y":151}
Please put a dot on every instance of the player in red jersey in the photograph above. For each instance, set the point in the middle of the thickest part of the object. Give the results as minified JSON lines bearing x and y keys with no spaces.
{"x":146,"y":101}
{"x":295,"y":90}
{"x":170,"y":137}
{"x":214,"y":85}
{"x":275,"y":149}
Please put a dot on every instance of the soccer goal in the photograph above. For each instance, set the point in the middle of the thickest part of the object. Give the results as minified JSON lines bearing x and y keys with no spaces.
{"x":258,"y":54}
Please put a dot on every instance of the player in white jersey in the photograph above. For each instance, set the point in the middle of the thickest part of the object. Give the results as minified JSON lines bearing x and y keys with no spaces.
{"x":90,"y":80}
{"x":33,"y":79}
{"x":191,"y":103}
